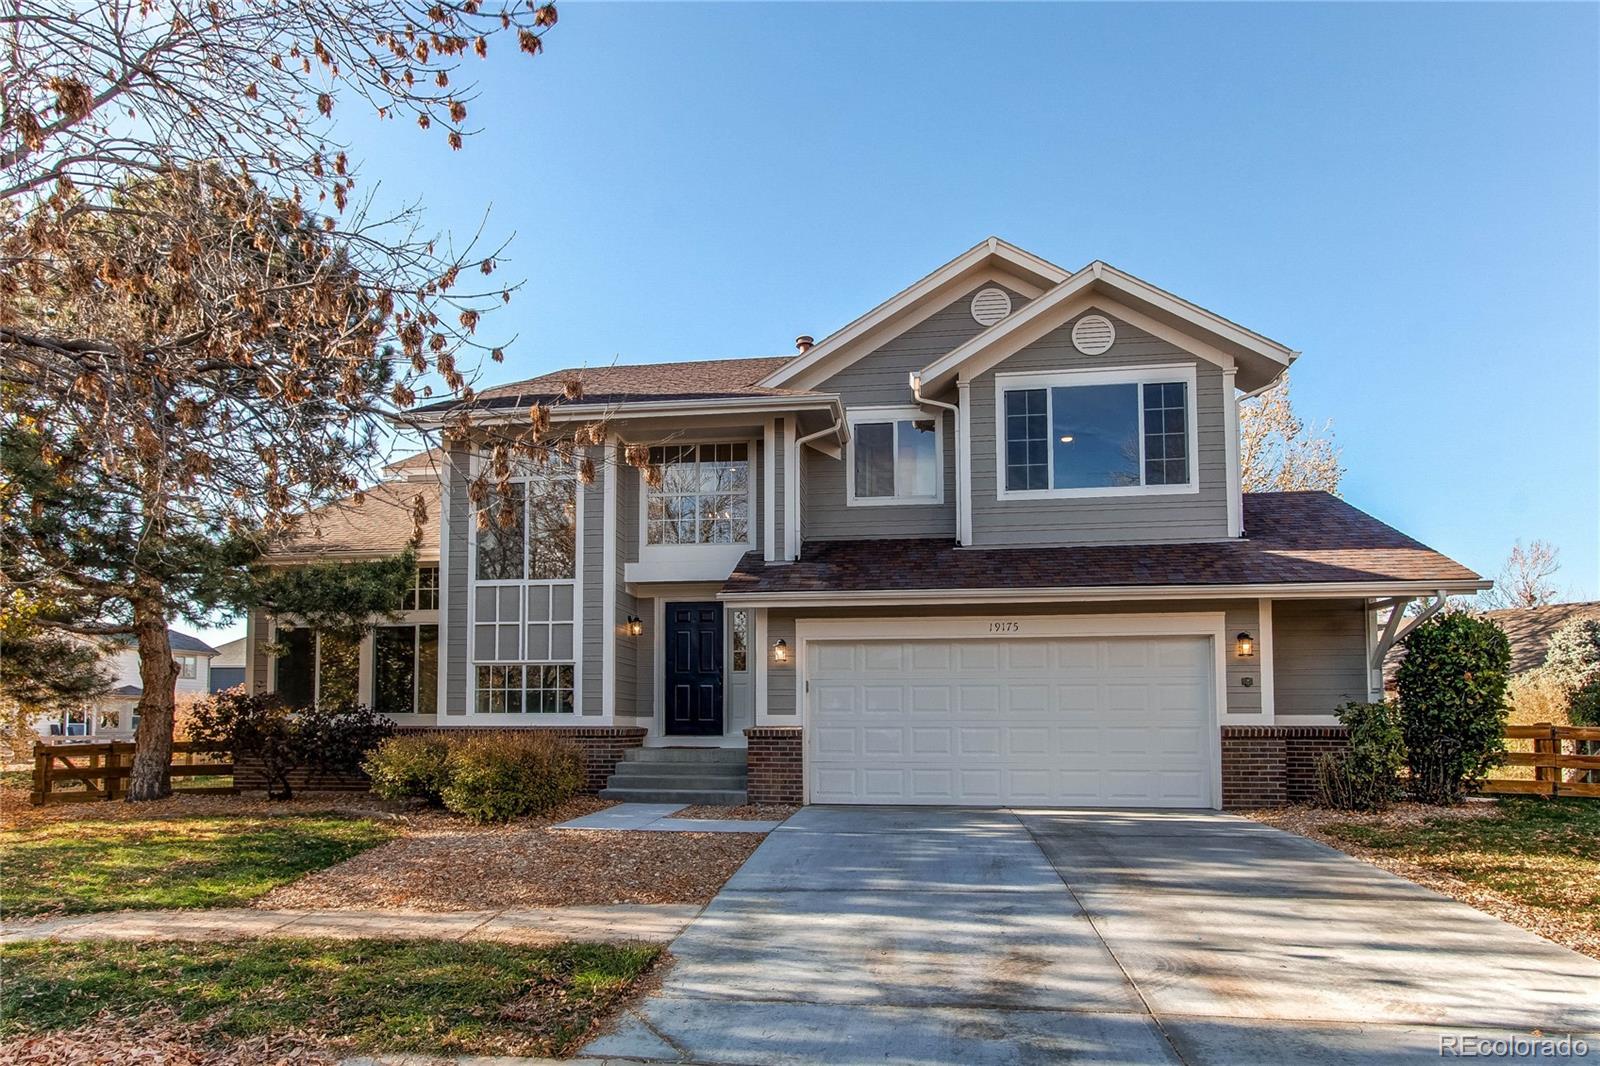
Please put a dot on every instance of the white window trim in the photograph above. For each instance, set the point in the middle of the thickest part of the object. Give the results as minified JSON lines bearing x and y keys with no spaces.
{"x":749,"y":541}
{"x":895,"y":413}
{"x":1131,"y":375}
{"x":470,"y":714}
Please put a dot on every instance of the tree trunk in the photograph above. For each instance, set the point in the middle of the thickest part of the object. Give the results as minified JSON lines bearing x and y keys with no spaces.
{"x":150,"y":777}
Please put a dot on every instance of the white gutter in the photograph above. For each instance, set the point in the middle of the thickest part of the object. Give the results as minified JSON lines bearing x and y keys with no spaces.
{"x":920,"y":597}
{"x":809,"y":437}
{"x":570,"y":412}
{"x":963,"y":467}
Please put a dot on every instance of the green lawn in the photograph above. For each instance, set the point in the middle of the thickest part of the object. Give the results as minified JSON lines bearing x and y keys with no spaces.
{"x":361,"y":995}
{"x":77,"y":866}
{"x":1542,"y":853}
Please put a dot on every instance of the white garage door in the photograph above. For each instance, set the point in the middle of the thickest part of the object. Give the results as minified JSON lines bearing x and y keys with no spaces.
{"x":1123,"y":722}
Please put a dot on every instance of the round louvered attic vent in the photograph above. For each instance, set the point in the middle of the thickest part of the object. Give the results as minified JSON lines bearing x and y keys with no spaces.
{"x":990,"y":306}
{"x":1093,"y":334}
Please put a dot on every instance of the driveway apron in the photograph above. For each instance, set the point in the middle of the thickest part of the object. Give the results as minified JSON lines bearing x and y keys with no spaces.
{"x":937,"y":935}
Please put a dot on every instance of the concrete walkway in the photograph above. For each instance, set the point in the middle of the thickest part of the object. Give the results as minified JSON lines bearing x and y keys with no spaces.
{"x":657,"y":818}
{"x":936,"y":936}
{"x":614,"y":923}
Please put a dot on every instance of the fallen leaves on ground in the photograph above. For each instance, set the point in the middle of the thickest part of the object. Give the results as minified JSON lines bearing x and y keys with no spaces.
{"x":443,"y":864}
{"x":1567,"y":927}
{"x":154,"y":1040}
{"x":747,"y":812}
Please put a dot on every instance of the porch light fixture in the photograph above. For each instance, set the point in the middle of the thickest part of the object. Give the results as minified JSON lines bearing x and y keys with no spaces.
{"x":1243,"y":646}
{"x":635,"y":626}
{"x":780,"y":651}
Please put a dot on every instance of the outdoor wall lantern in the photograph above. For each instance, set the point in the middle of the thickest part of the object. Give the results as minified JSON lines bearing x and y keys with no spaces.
{"x":780,"y":651}
{"x":1244,"y":646}
{"x":635,"y":626}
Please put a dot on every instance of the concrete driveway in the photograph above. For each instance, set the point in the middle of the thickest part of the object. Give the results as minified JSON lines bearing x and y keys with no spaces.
{"x":930,"y":935}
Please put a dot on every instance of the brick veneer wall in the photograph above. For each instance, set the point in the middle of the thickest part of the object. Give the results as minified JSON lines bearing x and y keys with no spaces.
{"x":776,"y":765}
{"x":603,"y":748}
{"x":1270,"y":766}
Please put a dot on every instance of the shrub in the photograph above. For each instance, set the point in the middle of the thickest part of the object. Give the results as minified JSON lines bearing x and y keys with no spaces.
{"x":1366,"y":775}
{"x":284,"y":739}
{"x":411,"y":767}
{"x":503,"y":776}
{"x":1573,"y":655}
{"x":1452,"y":685}
{"x":1584,"y":707}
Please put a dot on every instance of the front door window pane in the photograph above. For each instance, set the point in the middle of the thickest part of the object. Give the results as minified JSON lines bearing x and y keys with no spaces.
{"x":1094,"y":433}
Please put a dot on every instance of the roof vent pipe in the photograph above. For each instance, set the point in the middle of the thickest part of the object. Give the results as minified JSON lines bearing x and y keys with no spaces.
{"x":803,"y":343}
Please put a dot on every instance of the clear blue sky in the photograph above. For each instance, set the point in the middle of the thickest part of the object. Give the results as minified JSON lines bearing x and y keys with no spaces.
{"x":1410,"y":195}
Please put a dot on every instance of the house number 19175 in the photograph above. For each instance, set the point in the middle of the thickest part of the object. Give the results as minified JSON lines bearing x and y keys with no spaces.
{"x":1005,"y":627}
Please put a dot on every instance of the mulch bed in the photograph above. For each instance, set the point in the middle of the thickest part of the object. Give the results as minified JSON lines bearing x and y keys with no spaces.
{"x":748,"y":812}
{"x":1572,"y":932}
{"x":444,"y":864}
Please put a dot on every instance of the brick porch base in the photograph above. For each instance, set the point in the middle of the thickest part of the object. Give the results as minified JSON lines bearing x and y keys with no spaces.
{"x":1272,"y":766}
{"x":776,"y":766}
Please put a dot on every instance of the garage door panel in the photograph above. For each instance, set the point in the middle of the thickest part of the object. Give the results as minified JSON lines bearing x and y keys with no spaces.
{"x":1072,"y":721}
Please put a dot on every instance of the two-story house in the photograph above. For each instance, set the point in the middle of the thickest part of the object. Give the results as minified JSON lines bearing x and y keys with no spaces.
{"x":114,"y":716}
{"x":984,"y":545}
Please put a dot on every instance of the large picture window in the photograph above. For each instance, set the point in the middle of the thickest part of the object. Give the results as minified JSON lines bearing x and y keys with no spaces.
{"x":1103,"y":433}
{"x":895,"y":457}
{"x":405,"y":669}
{"x":703,"y":496}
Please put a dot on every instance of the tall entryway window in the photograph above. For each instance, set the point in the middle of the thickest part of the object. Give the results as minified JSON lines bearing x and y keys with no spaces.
{"x":693,"y":638}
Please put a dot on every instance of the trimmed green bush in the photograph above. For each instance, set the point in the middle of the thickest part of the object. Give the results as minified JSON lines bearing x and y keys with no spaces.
{"x":1584,"y":707}
{"x":1573,"y":655}
{"x":1452,"y":684}
{"x":503,"y":776}
{"x":328,"y":736}
{"x":1366,"y":775}
{"x":410,"y":767}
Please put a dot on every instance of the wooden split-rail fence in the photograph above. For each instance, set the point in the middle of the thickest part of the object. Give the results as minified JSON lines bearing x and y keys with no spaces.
{"x":101,"y":769}
{"x":1565,"y":760}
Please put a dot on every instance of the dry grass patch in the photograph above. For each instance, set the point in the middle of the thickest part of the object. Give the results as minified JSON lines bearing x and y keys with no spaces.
{"x":1533,"y":863}
{"x":441,"y":864}
{"x":747,"y":812}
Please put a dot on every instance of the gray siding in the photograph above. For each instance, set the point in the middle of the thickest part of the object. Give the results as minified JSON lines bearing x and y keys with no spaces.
{"x":1239,"y":614}
{"x":882,"y":377}
{"x":456,"y":559}
{"x":593,"y":502}
{"x":1106,"y":519}
{"x":778,"y":499}
{"x":1319,"y":652}
{"x":625,"y":543}
{"x":643,"y":705}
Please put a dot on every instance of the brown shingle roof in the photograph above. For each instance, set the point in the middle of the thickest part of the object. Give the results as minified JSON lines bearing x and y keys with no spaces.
{"x":700,"y":380}
{"x":1530,"y":629}
{"x":381,"y":524}
{"x":1293,"y":538}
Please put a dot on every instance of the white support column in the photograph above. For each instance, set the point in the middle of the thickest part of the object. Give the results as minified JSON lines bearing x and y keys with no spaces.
{"x":758,"y":658}
{"x":608,"y":587}
{"x":1268,"y":684}
{"x":1230,"y":435}
{"x":769,"y":494}
{"x":964,"y":463}
{"x":1374,"y":674}
{"x":791,"y":491}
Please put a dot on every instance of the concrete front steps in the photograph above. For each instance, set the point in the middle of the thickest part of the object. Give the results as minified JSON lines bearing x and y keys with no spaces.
{"x":679,"y":775}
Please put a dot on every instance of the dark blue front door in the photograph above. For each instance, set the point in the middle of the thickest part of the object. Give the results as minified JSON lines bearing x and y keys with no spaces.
{"x":694,"y":669}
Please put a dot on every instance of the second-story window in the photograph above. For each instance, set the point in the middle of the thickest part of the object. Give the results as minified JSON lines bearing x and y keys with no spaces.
{"x":424,"y":594}
{"x":895,"y":457}
{"x":1099,"y":433}
{"x":703,"y":496}
{"x":188,"y":666}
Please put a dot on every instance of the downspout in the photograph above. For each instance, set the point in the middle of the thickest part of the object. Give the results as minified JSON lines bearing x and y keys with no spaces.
{"x":798,"y":501}
{"x":809,"y":437}
{"x":961,"y":474}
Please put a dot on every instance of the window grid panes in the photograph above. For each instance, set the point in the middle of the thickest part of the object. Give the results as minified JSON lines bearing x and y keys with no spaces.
{"x":1027,"y":440}
{"x":526,"y":689}
{"x":739,"y":629}
{"x":1097,"y":436}
{"x":497,"y":624}
{"x":703,"y":496}
{"x":424,"y":594}
{"x":896,"y":459}
{"x":1166,"y":436}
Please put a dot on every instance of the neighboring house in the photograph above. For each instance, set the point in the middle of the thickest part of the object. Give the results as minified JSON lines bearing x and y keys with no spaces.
{"x":227,"y":668}
{"x":112,"y":716}
{"x":985,"y":545}
{"x":1528,"y":628}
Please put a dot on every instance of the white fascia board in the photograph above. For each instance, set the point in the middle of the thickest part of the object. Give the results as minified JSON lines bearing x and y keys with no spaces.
{"x":972,"y":257}
{"x":301,"y":558}
{"x":1100,"y":594}
{"x":585,"y":412}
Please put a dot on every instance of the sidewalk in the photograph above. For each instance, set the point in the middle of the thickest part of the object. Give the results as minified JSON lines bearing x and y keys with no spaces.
{"x":657,"y":818}
{"x":658,"y":922}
